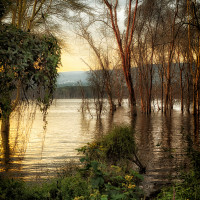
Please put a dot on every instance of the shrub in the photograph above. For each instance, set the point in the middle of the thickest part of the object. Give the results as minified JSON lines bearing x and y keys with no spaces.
{"x":115,"y":147}
{"x":74,"y":186}
{"x":119,"y":144}
{"x":11,"y":189}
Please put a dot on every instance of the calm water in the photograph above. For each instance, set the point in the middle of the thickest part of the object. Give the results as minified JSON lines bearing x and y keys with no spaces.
{"x":36,"y":154}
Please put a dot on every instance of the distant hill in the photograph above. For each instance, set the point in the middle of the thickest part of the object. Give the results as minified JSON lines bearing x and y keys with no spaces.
{"x":72,"y":78}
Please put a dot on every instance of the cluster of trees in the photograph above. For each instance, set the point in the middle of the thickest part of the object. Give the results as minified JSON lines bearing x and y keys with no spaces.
{"x":137,"y":50}
{"x":29,"y":55}
{"x":159,"y":39}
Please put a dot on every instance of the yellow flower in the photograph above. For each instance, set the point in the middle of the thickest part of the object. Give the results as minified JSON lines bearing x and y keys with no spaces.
{"x":79,"y":198}
{"x":130,"y":186}
{"x":128,"y":178}
{"x":1,"y":69}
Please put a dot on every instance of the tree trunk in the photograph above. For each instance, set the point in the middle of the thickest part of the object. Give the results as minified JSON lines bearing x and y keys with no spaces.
{"x":181,"y":85}
{"x":188,"y":94}
{"x":194,"y":99}
{"x":124,"y":45}
{"x":162,"y":83}
{"x":141,"y":92}
{"x":131,"y":92}
{"x":167,"y":91}
{"x":5,"y":128}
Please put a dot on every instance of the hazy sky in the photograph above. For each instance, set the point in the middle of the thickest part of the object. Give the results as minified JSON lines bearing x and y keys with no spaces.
{"x":72,"y":59}
{"x":72,"y":63}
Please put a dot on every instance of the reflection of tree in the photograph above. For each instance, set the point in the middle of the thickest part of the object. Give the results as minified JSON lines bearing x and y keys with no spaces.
{"x":196,"y":130}
{"x":110,"y":121}
{"x":85,"y":123}
{"x":14,"y":140}
{"x":144,"y":138}
{"x":5,"y":148}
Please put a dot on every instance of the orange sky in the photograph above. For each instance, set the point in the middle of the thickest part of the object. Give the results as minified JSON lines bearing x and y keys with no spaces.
{"x":73,"y":54}
{"x":72,"y":62}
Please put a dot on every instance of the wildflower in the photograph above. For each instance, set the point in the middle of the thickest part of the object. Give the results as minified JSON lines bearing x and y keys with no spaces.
{"x":1,"y":69}
{"x":101,"y":148}
{"x":117,"y":169}
{"x":128,"y":178}
{"x":130,"y":186}
{"x":79,"y":198}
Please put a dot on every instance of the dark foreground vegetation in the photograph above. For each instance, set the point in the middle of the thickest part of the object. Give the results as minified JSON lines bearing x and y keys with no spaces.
{"x":106,"y":172}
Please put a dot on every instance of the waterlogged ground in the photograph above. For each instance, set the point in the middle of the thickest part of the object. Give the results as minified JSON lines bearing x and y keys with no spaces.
{"x":36,"y":153}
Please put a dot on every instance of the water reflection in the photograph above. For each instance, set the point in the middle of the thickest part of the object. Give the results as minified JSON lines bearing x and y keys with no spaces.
{"x":14,"y":143}
{"x":161,"y":140}
{"x":5,"y":150}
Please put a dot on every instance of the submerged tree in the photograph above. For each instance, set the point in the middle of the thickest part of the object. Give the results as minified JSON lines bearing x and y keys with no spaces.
{"x":103,"y":61}
{"x":193,"y":13}
{"x":28,"y":71}
{"x":124,"y":43}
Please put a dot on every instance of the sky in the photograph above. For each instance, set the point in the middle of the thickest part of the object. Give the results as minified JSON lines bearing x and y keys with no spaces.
{"x":72,"y":62}
{"x":78,"y":50}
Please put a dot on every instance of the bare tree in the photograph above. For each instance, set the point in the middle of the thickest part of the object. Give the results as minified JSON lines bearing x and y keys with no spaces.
{"x":103,"y":58}
{"x":124,"y":43}
{"x":98,"y":88}
{"x":194,"y":49}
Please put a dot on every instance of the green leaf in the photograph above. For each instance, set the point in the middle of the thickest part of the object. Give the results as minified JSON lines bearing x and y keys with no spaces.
{"x":82,"y":159}
{"x":104,"y":197}
{"x":94,"y":165}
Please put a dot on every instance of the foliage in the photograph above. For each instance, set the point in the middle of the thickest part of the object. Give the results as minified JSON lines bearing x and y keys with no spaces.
{"x":4,"y":5}
{"x":93,"y":180}
{"x":189,"y":187}
{"x":27,"y":62}
{"x":74,"y":186}
{"x":10,"y":189}
{"x":117,"y":145}
{"x":101,"y":183}
{"x":111,"y":181}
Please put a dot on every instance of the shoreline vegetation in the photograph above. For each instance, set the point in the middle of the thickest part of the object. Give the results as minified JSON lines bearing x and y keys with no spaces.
{"x":106,"y":172}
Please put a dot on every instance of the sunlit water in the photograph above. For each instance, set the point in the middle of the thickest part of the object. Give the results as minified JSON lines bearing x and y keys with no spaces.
{"x":36,"y":154}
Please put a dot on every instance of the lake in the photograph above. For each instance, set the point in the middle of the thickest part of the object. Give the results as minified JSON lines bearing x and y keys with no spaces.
{"x":36,"y":154}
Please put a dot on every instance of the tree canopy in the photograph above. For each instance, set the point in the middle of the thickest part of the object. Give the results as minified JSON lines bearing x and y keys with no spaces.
{"x":27,"y":62}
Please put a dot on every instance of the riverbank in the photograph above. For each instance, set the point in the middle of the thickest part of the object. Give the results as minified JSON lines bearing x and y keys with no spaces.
{"x":106,"y":172}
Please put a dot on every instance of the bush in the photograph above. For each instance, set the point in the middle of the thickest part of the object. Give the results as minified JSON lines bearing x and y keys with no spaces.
{"x":11,"y":189}
{"x":115,"y":147}
{"x":119,"y":144}
{"x":106,"y":179}
{"x":74,"y":186}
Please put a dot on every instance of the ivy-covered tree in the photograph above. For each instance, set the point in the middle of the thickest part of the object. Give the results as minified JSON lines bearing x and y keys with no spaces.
{"x":28,"y":70}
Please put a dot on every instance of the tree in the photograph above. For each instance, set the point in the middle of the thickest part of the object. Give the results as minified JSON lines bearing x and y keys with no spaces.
{"x":193,"y":14}
{"x":146,"y":34}
{"x":102,"y":60}
{"x":124,"y":44}
{"x":43,"y":14}
{"x":97,"y":85}
{"x":28,"y":70}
